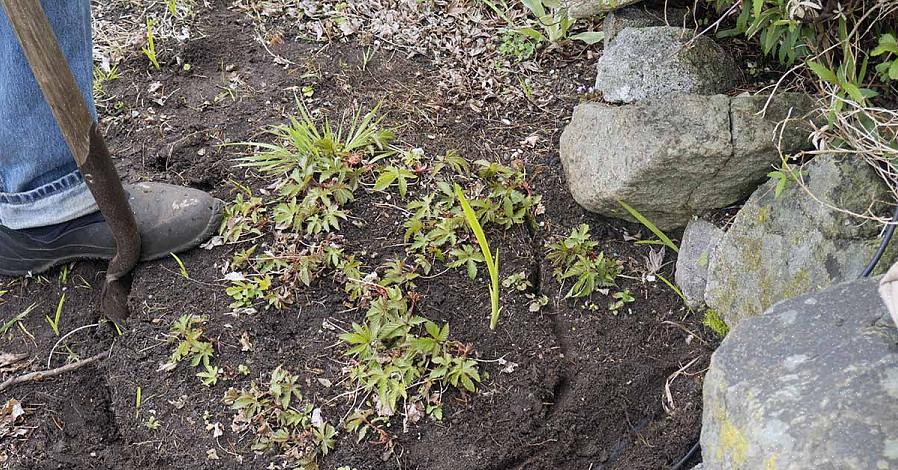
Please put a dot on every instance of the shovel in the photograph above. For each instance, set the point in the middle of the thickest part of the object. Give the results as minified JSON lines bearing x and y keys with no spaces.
{"x":83,"y":137}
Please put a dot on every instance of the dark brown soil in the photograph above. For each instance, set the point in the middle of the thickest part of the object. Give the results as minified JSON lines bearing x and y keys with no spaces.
{"x":589,"y":386}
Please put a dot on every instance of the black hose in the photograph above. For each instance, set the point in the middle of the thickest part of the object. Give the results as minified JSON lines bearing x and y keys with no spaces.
{"x":886,"y":238}
{"x":687,"y":457}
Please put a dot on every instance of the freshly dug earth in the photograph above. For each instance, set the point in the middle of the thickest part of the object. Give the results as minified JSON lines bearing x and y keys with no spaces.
{"x":589,"y":389}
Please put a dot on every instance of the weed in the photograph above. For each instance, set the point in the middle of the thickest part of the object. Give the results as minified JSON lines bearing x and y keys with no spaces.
{"x":152,"y":423}
{"x":138,"y":401}
{"x":209,"y":376}
{"x":181,"y":267}
{"x":187,"y":334}
{"x":281,"y":419}
{"x":491,"y":260}
{"x":620,"y":299}
{"x":716,"y":323}
{"x":574,"y":257}
{"x":518,"y":281}
{"x":54,"y":322}
{"x":552,"y":22}
{"x":662,"y":238}
{"x":7,"y":325}
{"x":150,"y":49}
{"x":400,"y":356}
{"x":888,"y":49}
{"x":516,"y":46}
{"x":390,"y":175}
{"x":102,"y":78}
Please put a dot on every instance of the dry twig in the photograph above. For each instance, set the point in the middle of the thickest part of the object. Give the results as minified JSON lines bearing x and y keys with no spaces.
{"x":44,"y":374}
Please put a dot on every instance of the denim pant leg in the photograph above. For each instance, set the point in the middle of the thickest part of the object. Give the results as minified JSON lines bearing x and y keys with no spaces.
{"x":39,"y":182}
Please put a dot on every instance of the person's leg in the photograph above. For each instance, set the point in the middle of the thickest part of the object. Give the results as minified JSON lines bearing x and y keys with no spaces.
{"x":47,"y":214}
{"x":39,"y":182}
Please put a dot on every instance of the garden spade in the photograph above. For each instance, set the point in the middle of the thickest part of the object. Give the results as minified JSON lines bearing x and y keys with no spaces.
{"x":56,"y":81}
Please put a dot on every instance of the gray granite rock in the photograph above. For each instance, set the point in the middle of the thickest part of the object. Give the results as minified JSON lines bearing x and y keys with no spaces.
{"x":699,"y":239}
{"x":811,"y":384}
{"x":638,"y":17}
{"x":581,"y":9}
{"x":652,"y":62}
{"x":675,"y":157}
{"x":781,"y":247}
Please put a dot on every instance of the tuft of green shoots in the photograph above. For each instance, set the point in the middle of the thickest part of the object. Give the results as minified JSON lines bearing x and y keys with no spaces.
{"x":54,"y":322}
{"x":150,"y":49}
{"x":492,"y":262}
{"x":16,"y":319}
{"x":181,"y":266}
{"x":662,"y":238}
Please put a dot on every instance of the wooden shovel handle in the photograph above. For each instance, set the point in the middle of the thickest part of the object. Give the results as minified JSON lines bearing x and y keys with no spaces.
{"x":53,"y":75}
{"x":60,"y":89}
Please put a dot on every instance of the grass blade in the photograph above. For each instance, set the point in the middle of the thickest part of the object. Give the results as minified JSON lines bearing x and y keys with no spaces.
{"x":649,"y":225}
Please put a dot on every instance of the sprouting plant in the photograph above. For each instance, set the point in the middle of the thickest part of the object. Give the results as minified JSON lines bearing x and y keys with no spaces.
{"x":281,"y":419}
{"x":518,"y":281}
{"x":516,"y":46}
{"x":187,"y":334}
{"x":209,"y":376}
{"x":17,"y":319}
{"x":553,"y":23}
{"x":102,"y":77}
{"x":150,"y":49}
{"x":138,"y":401}
{"x":492,"y":261}
{"x":172,"y":6}
{"x":620,"y":299}
{"x":54,"y":322}
{"x":392,"y":174}
{"x":574,"y":257}
{"x":782,"y":177}
{"x":888,"y":49}
{"x":468,"y":257}
{"x":662,"y":238}
{"x":181,"y":267}
{"x":152,"y":423}
{"x":400,"y":356}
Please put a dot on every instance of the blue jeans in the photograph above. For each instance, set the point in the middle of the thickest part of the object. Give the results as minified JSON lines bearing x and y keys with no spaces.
{"x":39,"y":182}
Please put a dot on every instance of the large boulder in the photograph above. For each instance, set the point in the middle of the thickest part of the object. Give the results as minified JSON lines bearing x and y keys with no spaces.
{"x":638,"y":17}
{"x":801,"y":241}
{"x":581,"y":9}
{"x":678,"y":156}
{"x":811,"y":384}
{"x":653,"y":62}
{"x":699,"y":240}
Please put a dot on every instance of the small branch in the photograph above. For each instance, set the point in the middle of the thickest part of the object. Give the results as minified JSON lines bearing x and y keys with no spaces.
{"x":45,"y":374}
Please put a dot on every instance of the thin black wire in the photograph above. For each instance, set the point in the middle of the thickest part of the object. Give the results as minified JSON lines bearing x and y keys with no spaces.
{"x":886,"y":238}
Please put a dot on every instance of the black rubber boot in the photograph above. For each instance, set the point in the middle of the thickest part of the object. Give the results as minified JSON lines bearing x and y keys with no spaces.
{"x":171,"y":218}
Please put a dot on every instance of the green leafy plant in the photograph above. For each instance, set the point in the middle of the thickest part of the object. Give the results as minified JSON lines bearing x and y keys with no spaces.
{"x":187,"y":335}
{"x":54,"y":322}
{"x":492,"y":261}
{"x":888,"y":50}
{"x":662,"y":238}
{"x":516,"y":46}
{"x":281,"y":419}
{"x":400,"y":357}
{"x":150,"y":49}
{"x":620,"y":300}
{"x":574,"y":257}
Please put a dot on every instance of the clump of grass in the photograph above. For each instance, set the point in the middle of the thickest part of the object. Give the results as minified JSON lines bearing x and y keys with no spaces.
{"x":150,"y":49}
{"x":716,"y":323}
